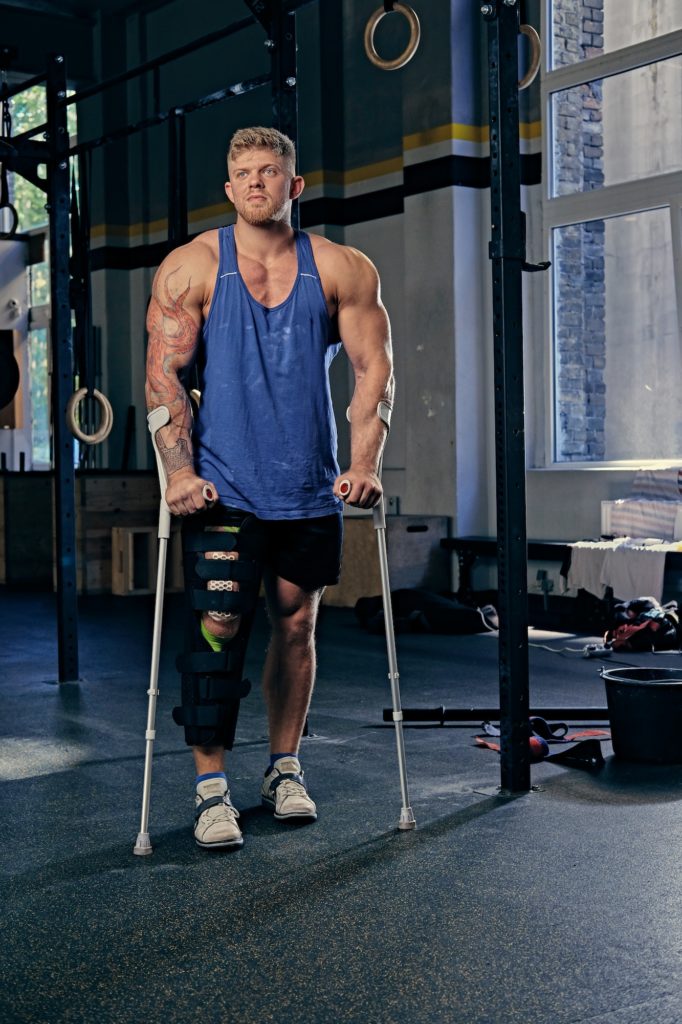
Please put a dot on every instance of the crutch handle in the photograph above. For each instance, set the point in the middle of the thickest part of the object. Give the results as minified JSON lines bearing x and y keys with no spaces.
{"x":156,"y":419}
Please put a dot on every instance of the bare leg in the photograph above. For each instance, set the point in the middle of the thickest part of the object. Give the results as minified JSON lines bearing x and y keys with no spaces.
{"x":209,"y":759}
{"x":289,"y":672}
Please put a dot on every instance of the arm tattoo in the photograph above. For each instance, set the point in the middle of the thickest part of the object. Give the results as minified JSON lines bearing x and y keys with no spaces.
{"x":173,"y":335}
{"x":174,"y":458}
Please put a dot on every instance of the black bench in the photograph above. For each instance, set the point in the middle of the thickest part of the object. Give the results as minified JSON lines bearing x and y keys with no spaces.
{"x":468,"y":549}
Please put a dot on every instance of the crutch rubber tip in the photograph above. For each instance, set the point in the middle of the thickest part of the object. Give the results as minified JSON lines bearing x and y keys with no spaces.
{"x":143,"y":846}
{"x":407,"y":819}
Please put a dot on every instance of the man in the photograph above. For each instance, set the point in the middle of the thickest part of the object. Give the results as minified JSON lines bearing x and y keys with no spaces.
{"x":261,"y":310}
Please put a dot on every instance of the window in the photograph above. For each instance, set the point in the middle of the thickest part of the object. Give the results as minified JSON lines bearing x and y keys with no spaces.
{"x":580,"y":29}
{"x":39,"y":369}
{"x":29,"y":109}
{"x":612,"y":219}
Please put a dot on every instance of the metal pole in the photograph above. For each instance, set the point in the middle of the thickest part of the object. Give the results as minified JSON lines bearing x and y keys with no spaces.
{"x":177,"y":180}
{"x":238,"y":89}
{"x":507,"y":252}
{"x":62,"y":370}
{"x":285,"y":82}
{"x":441,"y":714}
{"x":280,"y":25}
{"x":157,"y":62}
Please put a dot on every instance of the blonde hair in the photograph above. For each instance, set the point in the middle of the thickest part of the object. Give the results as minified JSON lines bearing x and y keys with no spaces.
{"x":262,"y":138}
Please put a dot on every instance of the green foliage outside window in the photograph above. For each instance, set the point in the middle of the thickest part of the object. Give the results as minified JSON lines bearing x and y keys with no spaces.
{"x":40,"y":399}
{"x":29,"y":109}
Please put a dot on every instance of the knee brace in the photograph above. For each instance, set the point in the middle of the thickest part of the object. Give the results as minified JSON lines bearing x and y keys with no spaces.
{"x":212,"y":683}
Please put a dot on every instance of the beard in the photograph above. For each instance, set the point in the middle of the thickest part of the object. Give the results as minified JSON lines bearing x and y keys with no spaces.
{"x":264,"y":212}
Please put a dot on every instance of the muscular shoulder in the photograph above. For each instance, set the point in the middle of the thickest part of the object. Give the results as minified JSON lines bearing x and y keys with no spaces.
{"x":349,"y":271}
{"x":190,"y":269}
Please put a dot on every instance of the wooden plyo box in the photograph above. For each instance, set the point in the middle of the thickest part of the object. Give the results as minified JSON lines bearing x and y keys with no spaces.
{"x":108,"y":501}
{"x":134,"y":560}
{"x":415,"y":557}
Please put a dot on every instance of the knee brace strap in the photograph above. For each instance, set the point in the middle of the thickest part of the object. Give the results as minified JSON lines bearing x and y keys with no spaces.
{"x":217,"y":569}
{"x":222,"y":600}
{"x":212,"y":689}
{"x":201,"y":662}
{"x":216,"y":674}
{"x":206,"y":725}
{"x":220,"y":690}
{"x":201,"y":541}
{"x":245,"y":570}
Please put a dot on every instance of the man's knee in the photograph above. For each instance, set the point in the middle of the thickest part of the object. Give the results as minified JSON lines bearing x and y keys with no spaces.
{"x":294,"y":623}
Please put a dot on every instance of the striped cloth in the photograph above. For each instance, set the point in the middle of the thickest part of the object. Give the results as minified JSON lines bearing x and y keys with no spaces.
{"x":642,"y":517}
{"x":665,"y":483}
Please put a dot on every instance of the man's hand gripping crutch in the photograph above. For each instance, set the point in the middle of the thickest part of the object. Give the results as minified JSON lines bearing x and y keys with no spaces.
{"x":157,"y":419}
{"x":345,"y":488}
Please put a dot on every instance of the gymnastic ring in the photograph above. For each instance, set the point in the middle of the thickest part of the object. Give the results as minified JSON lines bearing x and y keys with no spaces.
{"x":106,"y":423}
{"x":14,"y":218}
{"x":535,"y":56}
{"x":409,"y":51}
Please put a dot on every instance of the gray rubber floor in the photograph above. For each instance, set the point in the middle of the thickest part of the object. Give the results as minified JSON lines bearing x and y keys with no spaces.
{"x":562,"y":905}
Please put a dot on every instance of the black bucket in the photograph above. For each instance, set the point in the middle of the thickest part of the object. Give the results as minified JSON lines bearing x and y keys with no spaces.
{"x":645,"y":709}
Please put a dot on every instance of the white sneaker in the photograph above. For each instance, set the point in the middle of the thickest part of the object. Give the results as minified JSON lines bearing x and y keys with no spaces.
{"x":215,"y":819}
{"x":284,"y":791}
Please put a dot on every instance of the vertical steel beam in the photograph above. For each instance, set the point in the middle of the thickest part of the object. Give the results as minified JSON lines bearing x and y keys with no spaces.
{"x":284,"y":80}
{"x":280,"y":24}
{"x":62,"y":370}
{"x":177,"y":180}
{"x":507,"y":252}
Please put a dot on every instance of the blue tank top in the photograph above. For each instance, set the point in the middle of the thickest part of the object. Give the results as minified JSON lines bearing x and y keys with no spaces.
{"x":265,"y":432}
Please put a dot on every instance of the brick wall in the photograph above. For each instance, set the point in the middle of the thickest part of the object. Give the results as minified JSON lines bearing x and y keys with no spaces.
{"x":580,"y":339}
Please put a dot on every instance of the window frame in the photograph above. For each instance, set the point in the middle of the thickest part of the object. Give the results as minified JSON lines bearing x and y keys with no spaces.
{"x":663,"y":191}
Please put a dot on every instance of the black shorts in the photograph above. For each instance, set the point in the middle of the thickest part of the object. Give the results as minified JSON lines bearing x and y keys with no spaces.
{"x":306,"y":552}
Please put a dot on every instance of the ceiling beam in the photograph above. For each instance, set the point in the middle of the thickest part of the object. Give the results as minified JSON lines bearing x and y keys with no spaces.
{"x":60,"y":9}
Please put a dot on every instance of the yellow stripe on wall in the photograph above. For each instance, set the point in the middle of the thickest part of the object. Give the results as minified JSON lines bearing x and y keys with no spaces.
{"x":365,"y":173}
{"x":465,"y":133}
{"x":530,"y":129}
{"x":443,"y":133}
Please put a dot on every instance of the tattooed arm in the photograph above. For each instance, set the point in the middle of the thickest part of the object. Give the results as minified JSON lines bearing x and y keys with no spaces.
{"x":174,"y":321}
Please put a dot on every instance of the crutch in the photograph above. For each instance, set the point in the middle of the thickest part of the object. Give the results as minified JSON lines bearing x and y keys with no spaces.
{"x":407,"y":819}
{"x":156,"y":419}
